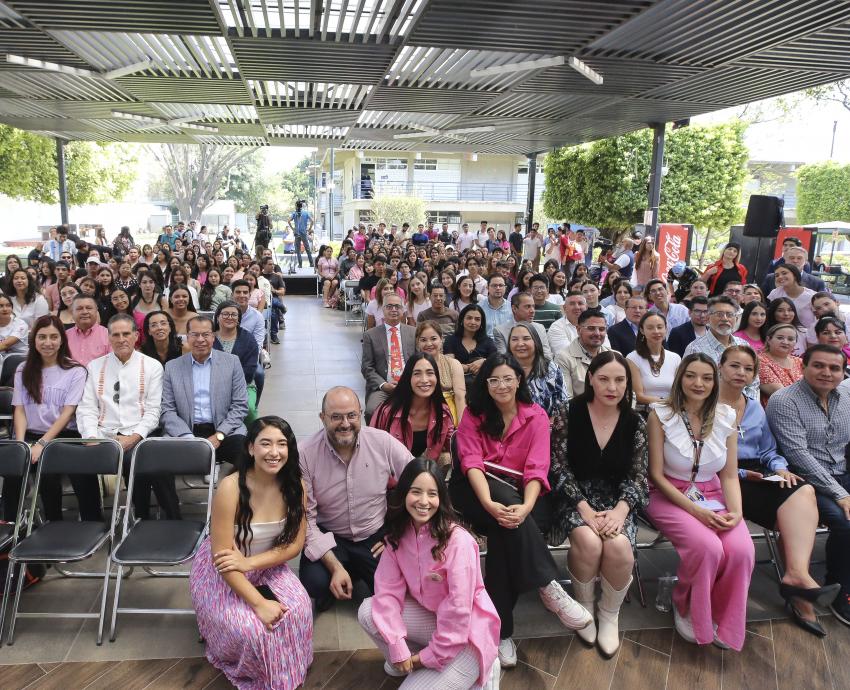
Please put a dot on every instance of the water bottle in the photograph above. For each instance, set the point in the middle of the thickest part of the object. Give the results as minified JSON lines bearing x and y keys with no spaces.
{"x":664,"y":598}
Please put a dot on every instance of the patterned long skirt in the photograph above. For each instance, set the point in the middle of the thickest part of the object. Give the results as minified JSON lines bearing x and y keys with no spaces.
{"x":237,"y":642}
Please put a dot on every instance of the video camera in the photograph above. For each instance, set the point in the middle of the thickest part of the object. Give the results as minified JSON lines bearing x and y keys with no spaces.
{"x":603,"y":243}
{"x":264,"y":208}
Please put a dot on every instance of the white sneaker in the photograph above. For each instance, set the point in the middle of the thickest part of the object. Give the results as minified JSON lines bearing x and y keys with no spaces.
{"x":391,"y":670}
{"x":492,"y":682}
{"x":718,"y":642}
{"x":571,"y":614}
{"x":507,"y":652}
{"x":683,"y":626}
{"x":209,"y":477}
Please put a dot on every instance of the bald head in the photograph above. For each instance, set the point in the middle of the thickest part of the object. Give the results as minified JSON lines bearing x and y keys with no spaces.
{"x":341,"y":417}
{"x":339,"y":395}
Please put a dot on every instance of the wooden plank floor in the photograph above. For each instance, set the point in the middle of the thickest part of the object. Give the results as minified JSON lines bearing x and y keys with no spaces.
{"x":777,"y":655}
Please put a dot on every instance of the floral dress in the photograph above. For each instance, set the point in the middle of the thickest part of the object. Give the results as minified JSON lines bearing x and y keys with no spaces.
{"x":548,"y":391}
{"x":580,"y":470}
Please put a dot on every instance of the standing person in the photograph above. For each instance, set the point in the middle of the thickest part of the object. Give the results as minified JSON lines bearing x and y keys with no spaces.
{"x":726,"y":268}
{"x":624,"y":264}
{"x":53,"y":248}
{"x":532,"y":247}
{"x":647,"y":260}
{"x":598,"y":470}
{"x":256,"y":641}
{"x":442,"y":632}
{"x":653,"y":367}
{"x":499,"y":484}
{"x":787,"y":505}
{"x":51,"y":292}
{"x":811,"y":422}
{"x":695,"y":501}
{"x":515,"y":239}
{"x":48,"y":388}
{"x":301,"y":223}
{"x":27,"y":303}
{"x":277,"y":291}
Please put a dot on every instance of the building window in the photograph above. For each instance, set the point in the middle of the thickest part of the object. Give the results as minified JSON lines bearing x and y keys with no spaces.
{"x":390,"y":164}
{"x":425,"y":164}
{"x":440,"y":217}
{"x":365,"y":215}
{"x":523,"y":169}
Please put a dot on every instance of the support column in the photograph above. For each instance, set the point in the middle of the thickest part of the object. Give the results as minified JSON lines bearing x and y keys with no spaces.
{"x":331,"y":192}
{"x":63,"y":186}
{"x":655,"y":174}
{"x":532,"y":178}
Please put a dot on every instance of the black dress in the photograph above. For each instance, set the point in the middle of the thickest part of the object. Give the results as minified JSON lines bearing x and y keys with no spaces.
{"x":453,"y":345}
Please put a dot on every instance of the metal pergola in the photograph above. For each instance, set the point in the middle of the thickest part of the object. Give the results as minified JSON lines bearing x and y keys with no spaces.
{"x":486,"y":76}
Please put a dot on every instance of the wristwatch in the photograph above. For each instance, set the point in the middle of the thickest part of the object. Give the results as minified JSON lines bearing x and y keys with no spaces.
{"x":219,"y":436}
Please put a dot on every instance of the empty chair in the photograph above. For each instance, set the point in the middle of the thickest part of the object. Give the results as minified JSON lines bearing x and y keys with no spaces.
{"x":149,"y":543}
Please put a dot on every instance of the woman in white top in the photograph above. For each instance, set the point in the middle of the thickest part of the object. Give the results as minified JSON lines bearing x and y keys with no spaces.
{"x":789,"y":284}
{"x":27,"y":303}
{"x":253,"y":612}
{"x":417,"y":300}
{"x":695,"y":501}
{"x":13,"y":331}
{"x":653,"y":367}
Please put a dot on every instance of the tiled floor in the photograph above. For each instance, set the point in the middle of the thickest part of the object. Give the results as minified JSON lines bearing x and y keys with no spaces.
{"x":318,"y":352}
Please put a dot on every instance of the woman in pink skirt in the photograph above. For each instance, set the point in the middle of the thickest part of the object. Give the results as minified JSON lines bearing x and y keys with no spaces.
{"x":252,"y":610}
{"x":695,"y":501}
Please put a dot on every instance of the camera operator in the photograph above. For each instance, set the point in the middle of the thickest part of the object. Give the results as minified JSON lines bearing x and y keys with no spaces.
{"x":303,"y":224}
{"x":263,"y":237}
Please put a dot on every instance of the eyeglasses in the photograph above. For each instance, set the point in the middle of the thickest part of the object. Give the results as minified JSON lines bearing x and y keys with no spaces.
{"x":392,"y":306}
{"x":228,"y":315}
{"x":117,"y":397}
{"x":723,"y":315}
{"x":351,"y":417}
{"x":507,"y":381}
{"x":208,"y":335}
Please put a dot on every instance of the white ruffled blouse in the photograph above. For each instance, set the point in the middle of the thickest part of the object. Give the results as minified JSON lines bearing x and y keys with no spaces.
{"x":679,"y":450}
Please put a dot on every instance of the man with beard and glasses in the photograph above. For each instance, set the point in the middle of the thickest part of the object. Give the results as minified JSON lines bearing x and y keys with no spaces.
{"x":347,"y":470}
{"x":721,"y":324}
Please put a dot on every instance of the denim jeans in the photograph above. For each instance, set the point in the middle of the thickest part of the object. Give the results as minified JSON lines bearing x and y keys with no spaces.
{"x":299,"y":238}
{"x":275,"y":316}
{"x":838,"y":541}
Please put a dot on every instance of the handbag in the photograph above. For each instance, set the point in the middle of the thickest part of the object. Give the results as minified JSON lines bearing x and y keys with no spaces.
{"x":252,"y":404}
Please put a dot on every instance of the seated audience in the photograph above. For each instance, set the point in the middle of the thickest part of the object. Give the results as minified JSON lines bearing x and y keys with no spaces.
{"x":598,"y":473}
{"x":656,"y":293}
{"x":563,"y":331}
{"x":623,"y":335}
{"x":231,"y":338}
{"x":653,"y":367}
{"x":795,"y":256}
{"x":545,"y":312}
{"x":213,"y":291}
{"x":160,"y":339}
{"x":788,"y":284}
{"x":543,"y":377}
{"x":522,"y":309}
{"x":417,"y":300}
{"x":810,"y":420}
{"x":66,"y":300}
{"x":385,"y":350}
{"x":204,"y":394}
{"x":87,"y":340}
{"x":452,"y":379}
{"x":14,"y":332}
{"x":28,"y":304}
{"x":681,"y":336}
{"x":497,"y":309}
{"x":752,"y":329}
{"x":464,"y":293}
{"x":782,"y":310}
{"x":695,"y":501}
{"x":787,"y":505}
{"x":182,"y":309}
{"x":257,"y":527}
{"x":347,"y":470}
{"x":830,"y":330}
{"x":499,"y":484}
{"x":375,"y":308}
{"x":825,"y":304}
{"x":469,"y":344}
{"x":48,"y":388}
{"x":445,"y":635}
{"x":778,"y":368}
{"x":327,"y":267}
{"x":439,"y":312}
{"x":575,"y":359}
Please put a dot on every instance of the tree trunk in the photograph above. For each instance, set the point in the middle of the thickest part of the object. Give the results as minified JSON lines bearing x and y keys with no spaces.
{"x":704,"y":247}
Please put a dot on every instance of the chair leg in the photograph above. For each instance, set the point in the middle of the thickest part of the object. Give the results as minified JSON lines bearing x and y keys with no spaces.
{"x":102,"y":616}
{"x":16,"y":603}
{"x":7,"y":587}
{"x":639,"y":582}
{"x":115,"y":599}
{"x":774,"y":552}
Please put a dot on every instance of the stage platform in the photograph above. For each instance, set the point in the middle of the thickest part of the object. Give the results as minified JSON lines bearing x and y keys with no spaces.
{"x":303,"y":281}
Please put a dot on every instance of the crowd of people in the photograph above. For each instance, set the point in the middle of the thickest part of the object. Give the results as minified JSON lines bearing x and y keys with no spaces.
{"x":523,"y":405}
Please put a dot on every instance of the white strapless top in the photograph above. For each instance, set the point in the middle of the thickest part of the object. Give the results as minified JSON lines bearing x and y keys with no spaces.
{"x":264,"y":536}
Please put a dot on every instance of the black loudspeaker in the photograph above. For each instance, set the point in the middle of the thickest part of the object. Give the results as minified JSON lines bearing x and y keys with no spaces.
{"x":756,"y":253}
{"x":764,"y":216}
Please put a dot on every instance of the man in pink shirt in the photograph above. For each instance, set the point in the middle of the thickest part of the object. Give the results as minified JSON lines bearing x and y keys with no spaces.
{"x":87,"y":340}
{"x":347,"y":470}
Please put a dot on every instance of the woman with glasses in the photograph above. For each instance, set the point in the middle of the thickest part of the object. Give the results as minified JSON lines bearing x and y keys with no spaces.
{"x":695,"y":501}
{"x":778,"y":366}
{"x":231,"y":338}
{"x":499,"y":483}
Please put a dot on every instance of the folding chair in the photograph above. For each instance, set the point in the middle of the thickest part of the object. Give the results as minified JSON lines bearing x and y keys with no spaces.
{"x":6,"y":409}
{"x":10,"y":363}
{"x":64,"y":541}
{"x":14,"y":462}
{"x":353,"y":302}
{"x":149,"y":543}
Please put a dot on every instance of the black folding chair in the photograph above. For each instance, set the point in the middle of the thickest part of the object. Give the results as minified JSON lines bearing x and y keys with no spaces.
{"x":63,"y":541}
{"x":14,"y":462}
{"x":10,"y":364}
{"x":150,"y":543}
{"x":7,"y":410}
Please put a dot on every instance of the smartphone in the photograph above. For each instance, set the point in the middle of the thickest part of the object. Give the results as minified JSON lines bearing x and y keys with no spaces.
{"x":266,"y":592}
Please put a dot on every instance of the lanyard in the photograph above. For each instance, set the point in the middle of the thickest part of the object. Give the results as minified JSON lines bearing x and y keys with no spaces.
{"x":698,"y":445}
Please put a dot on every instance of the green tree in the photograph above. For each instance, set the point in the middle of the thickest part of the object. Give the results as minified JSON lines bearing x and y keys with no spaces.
{"x":298,"y":183}
{"x":605,"y":183}
{"x":95,"y":172}
{"x":246,"y":184}
{"x":395,"y":210}
{"x":823,"y":193}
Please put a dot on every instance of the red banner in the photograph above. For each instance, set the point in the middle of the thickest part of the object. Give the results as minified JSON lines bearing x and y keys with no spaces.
{"x":802,"y":234}
{"x":671,"y":242}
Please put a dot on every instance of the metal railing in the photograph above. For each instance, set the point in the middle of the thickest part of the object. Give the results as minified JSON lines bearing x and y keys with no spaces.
{"x":449,"y":191}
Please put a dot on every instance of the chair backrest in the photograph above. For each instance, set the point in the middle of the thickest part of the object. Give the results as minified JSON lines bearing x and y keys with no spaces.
{"x":173,"y":456}
{"x":64,"y":456}
{"x":14,"y":458}
{"x":6,"y":395}
{"x":10,"y":363}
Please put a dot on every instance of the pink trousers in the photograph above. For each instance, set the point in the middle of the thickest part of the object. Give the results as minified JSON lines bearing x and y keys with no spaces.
{"x":715,"y":567}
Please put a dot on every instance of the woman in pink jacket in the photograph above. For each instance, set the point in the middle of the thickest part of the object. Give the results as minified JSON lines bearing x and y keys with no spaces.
{"x":431,"y":615}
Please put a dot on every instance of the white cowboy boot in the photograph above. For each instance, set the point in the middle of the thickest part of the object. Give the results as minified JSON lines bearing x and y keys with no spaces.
{"x":585,"y":594}
{"x":608,"y":638}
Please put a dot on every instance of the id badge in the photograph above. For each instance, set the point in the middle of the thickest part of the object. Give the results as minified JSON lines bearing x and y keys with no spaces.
{"x":694,"y":494}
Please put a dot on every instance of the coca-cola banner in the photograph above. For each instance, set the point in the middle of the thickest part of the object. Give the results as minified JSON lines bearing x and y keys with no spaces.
{"x":802,"y":234}
{"x":672,"y":244}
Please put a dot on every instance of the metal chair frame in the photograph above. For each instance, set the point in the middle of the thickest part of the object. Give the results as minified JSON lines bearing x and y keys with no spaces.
{"x":353,"y":301}
{"x":20,"y":514}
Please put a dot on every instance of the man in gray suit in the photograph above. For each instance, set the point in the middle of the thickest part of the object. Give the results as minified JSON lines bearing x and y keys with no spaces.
{"x":522,"y":306}
{"x":376,"y":364}
{"x":204,"y":394}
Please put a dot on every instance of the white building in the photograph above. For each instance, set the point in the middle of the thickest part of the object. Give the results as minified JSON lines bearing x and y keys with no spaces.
{"x":457,"y":188}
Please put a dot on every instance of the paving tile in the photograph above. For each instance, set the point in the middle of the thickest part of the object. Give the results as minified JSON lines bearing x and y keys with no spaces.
{"x":19,"y":676}
{"x":639,"y":666}
{"x":800,"y":658}
{"x":696,"y":667}
{"x":73,"y":675}
{"x":753,"y":667}
{"x":525,"y":677}
{"x":837,"y":643}
{"x":585,"y":668}
{"x":325,"y":666}
{"x":186,"y":673}
{"x":545,"y":653}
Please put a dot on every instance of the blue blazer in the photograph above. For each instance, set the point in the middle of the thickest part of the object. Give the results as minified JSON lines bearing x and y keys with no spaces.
{"x":622,"y":337}
{"x":680,"y":337}
{"x":246,"y":349}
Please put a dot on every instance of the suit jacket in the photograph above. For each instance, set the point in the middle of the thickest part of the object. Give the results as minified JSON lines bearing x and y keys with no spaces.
{"x":245,"y":348}
{"x":502,"y":331}
{"x":680,"y":337}
{"x":809,"y":281}
{"x":374,"y":363}
{"x":228,"y":395}
{"x":622,"y":337}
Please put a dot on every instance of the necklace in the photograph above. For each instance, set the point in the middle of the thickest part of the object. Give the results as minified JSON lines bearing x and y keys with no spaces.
{"x":655,"y":365}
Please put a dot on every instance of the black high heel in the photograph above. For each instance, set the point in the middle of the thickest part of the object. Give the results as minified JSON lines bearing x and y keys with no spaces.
{"x":822,"y":596}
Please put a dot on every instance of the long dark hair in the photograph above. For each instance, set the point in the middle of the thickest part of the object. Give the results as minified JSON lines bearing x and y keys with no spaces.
{"x":642,"y":346}
{"x":288,"y":480}
{"x":175,"y":346}
{"x":482,"y":405}
{"x":31,"y":373}
{"x":676,"y":400}
{"x":208,"y":291}
{"x":190,"y":305}
{"x":481,"y":333}
{"x":745,"y":317}
{"x":771,"y":313}
{"x":402,"y":396}
{"x":29,"y":295}
{"x":398,"y":519}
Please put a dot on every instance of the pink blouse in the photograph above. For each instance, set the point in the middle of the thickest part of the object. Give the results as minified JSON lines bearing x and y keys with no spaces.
{"x":328,"y":268}
{"x":757,"y":345}
{"x":524,"y":448}
{"x":399,"y":427}
{"x":452,"y":588}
